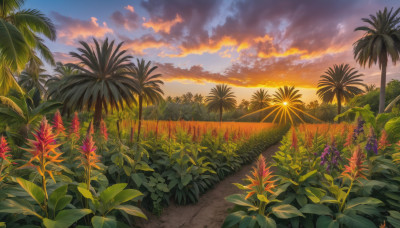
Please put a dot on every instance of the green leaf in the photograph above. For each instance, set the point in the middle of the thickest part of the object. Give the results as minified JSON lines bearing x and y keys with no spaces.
{"x":307,"y":175}
{"x":104,"y":222}
{"x":326,"y":222}
{"x":126,"y":195}
{"x":59,"y":195}
{"x":314,"y":194}
{"x":144,"y":167}
{"x":13,"y":207}
{"x":32,"y":189}
{"x":394,"y":218}
{"x":66,"y":218}
{"x":186,"y":179}
{"x":361,"y":201}
{"x":355,"y":221}
{"x":233,"y":219}
{"x":132,"y":210}
{"x":317,"y":209}
{"x":240,"y":200}
{"x":265,"y":222}
{"x":286,"y":211}
{"x":86,"y":193}
{"x":110,"y":192}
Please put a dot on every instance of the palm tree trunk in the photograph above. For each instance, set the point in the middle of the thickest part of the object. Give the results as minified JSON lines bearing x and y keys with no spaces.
{"x":383,"y":89}
{"x":140,"y":116}
{"x":220,"y":114}
{"x":97,"y":114}
{"x":339,"y":104}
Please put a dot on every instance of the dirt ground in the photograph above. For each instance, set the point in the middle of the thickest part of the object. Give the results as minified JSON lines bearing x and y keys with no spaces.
{"x":211,"y":209}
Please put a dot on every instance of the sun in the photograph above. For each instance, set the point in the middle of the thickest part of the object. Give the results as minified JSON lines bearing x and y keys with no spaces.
{"x":285,"y":103}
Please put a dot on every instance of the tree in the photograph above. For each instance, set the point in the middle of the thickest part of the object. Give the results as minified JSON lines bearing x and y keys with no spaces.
{"x":286,"y":102}
{"x":34,"y":78}
{"x":53,"y":85}
{"x":198,"y":98}
{"x":103,"y":80}
{"x":244,"y":104}
{"x":221,"y":98}
{"x":20,"y":32}
{"x":370,"y":88}
{"x":148,"y":86}
{"x":380,"y":41}
{"x":260,"y":99}
{"x":341,"y":82}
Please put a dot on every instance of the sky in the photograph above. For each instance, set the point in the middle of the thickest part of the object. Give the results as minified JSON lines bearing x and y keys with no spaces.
{"x":248,"y":44}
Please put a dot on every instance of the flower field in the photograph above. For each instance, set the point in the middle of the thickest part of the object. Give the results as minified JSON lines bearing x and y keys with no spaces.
{"x":69,"y":174}
{"x":325,"y":175}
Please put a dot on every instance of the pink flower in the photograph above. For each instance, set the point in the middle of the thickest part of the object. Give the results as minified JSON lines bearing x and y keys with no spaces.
{"x":294,"y":140}
{"x":58,"y":123}
{"x":75,"y":126}
{"x":103,"y":129}
{"x":4,"y":149}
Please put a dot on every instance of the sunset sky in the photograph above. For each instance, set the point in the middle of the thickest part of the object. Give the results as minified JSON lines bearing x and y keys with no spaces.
{"x":245,"y":43}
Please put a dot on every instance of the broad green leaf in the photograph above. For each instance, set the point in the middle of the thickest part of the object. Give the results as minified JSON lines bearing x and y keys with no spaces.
{"x":362,"y":200}
{"x":107,"y":195}
{"x":240,"y":200}
{"x":126,"y":195}
{"x":286,"y":211}
{"x":232,"y":219}
{"x":394,"y":218}
{"x":265,"y":222}
{"x":104,"y":222}
{"x":307,"y":175}
{"x":32,"y":189}
{"x":328,"y":177}
{"x":13,"y":207}
{"x":186,"y":179}
{"x":314,"y":194}
{"x":132,"y":210}
{"x":317,"y":209}
{"x":326,"y":222}
{"x":86,"y":193}
{"x":66,"y":218}
{"x":144,"y":167}
{"x":56,"y":196}
{"x":355,"y":221}
{"x":262,"y":198}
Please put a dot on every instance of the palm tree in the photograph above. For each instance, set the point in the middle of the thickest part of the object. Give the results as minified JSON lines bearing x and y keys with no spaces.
{"x":34,"y":78}
{"x":62,"y":71}
{"x":148,"y":86}
{"x":380,"y":41}
{"x":370,"y":88}
{"x":103,"y":80}
{"x":20,"y":32}
{"x":22,"y":111}
{"x":221,"y":98}
{"x":244,"y":105}
{"x":341,"y":82}
{"x":260,"y":99}
{"x":286,"y":102}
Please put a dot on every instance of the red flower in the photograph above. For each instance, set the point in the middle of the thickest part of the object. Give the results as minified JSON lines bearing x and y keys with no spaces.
{"x":75,"y":126}
{"x":103,"y":129}
{"x":89,"y":157}
{"x":261,"y":179}
{"x":294,"y":140}
{"x":4,"y":149}
{"x":356,"y":165}
{"x":349,"y":139}
{"x":226,"y":135}
{"x":383,"y":141}
{"x":43,"y":149}
{"x":58,"y":123}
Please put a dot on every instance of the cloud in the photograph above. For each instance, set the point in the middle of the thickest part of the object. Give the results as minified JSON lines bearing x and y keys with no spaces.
{"x":139,"y":45}
{"x":129,"y":20}
{"x":71,"y":29}
{"x":64,"y":58}
{"x":160,"y":25}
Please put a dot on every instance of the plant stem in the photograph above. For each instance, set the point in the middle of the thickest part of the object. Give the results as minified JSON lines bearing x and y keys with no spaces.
{"x":347,"y":194}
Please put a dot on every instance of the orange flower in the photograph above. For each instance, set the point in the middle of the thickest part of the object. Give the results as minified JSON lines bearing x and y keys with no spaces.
{"x":349,"y":139}
{"x":89,"y":157}
{"x":43,"y":149}
{"x":58,"y":123}
{"x":75,"y":126}
{"x":356,"y":165}
{"x":103,"y":129}
{"x":383,"y":141}
{"x":294,"y":139}
{"x":261,"y":179}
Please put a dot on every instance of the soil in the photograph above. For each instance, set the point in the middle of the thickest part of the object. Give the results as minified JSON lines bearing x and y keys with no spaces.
{"x":211,"y":209}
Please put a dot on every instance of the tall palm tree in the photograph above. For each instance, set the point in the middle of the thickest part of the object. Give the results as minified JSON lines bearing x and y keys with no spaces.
{"x":103,"y":80}
{"x":244,"y":104}
{"x":53,"y":84}
{"x":34,"y":78}
{"x":286,"y":102}
{"x":341,"y":82}
{"x":380,"y":42}
{"x":260,"y":99}
{"x":370,"y":88}
{"x":221,"y":98}
{"x":148,"y":86}
{"x":20,"y":32}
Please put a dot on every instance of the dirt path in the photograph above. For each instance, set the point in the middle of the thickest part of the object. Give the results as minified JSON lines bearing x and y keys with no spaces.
{"x":211,"y":209}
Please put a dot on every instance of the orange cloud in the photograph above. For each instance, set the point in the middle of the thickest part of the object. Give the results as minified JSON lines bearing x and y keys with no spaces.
{"x":70,"y":29}
{"x":163,"y":26}
{"x":138,"y":46}
{"x":130,"y":8}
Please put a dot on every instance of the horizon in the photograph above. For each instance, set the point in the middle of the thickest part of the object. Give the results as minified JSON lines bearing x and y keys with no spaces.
{"x":245,"y":44}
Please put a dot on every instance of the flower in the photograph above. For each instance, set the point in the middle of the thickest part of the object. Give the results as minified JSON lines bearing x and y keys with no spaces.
{"x":359,"y":129}
{"x":89,"y":157}
{"x":4,"y":149}
{"x":294,"y":139}
{"x":349,"y":139}
{"x":226,"y":135}
{"x":356,"y":165}
{"x":330,"y":157}
{"x":75,"y":126}
{"x":372,"y":143}
{"x":58,"y":123}
{"x":103,"y":129}
{"x":43,"y":149}
{"x":383,"y":141}
{"x":261,"y":179}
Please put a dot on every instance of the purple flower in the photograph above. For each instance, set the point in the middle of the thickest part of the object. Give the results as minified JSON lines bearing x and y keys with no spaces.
{"x":372,"y":142}
{"x":359,"y":129}
{"x":330,"y":157}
